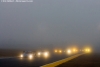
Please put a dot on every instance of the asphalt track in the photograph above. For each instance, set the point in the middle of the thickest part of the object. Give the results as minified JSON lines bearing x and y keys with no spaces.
{"x":35,"y":62}
{"x":57,"y":63}
{"x":86,"y":60}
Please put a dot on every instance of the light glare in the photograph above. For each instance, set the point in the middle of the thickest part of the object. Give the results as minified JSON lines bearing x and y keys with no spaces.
{"x":46,"y":54}
{"x":39,"y":53}
{"x":60,"y":51}
{"x":30,"y":56}
{"x":55,"y":50}
{"x":21,"y":55}
{"x":68,"y":51}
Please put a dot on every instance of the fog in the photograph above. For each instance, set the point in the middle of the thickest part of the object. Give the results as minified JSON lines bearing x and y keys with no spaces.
{"x":49,"y":23}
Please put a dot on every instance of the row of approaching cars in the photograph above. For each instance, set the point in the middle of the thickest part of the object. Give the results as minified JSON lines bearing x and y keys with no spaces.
{"x":31,"y":54}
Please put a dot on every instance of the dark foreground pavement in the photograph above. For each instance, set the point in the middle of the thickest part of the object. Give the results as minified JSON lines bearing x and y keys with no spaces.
{"x":35,"y":62}
{"x":8,"y":58}
{"x":86,"y":60}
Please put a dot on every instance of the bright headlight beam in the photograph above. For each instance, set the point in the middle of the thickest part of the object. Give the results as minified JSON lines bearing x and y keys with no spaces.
{"x":30,"y":56}
{"x":55,"y":50}
{"x":21,"y":55}
{"x":68,"y":51}
{"x":74,"y":50}
{"x":46,"y":54}
{"x":87,"y":50}
{"x":39,"y":53}
{"x":60,"y":51}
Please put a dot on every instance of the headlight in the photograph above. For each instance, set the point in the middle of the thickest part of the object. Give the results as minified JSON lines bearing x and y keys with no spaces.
{"x":39,"y":53}
{"x":55,"y":50}
{"x":60,"y":51}
{"x":68,"y":51}
{"x":88,"y":50}
{"x":46,"y":54}
{"x":21,"y":55}
{"x":30,"y":56}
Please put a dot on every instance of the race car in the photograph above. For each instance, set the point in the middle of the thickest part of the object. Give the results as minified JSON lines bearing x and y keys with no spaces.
{"x":27,"y":54}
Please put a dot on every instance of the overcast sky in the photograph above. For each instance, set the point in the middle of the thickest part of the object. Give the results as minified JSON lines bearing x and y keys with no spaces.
{"x":49,"y":23}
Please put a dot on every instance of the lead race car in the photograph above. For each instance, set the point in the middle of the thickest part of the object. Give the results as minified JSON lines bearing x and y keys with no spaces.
{"x":27,"y":54}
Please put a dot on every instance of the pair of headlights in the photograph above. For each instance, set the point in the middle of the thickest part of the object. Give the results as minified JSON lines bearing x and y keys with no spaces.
{"x":29,"y":56}
{"x":45,"y":54}
{"x":59,"y":51}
